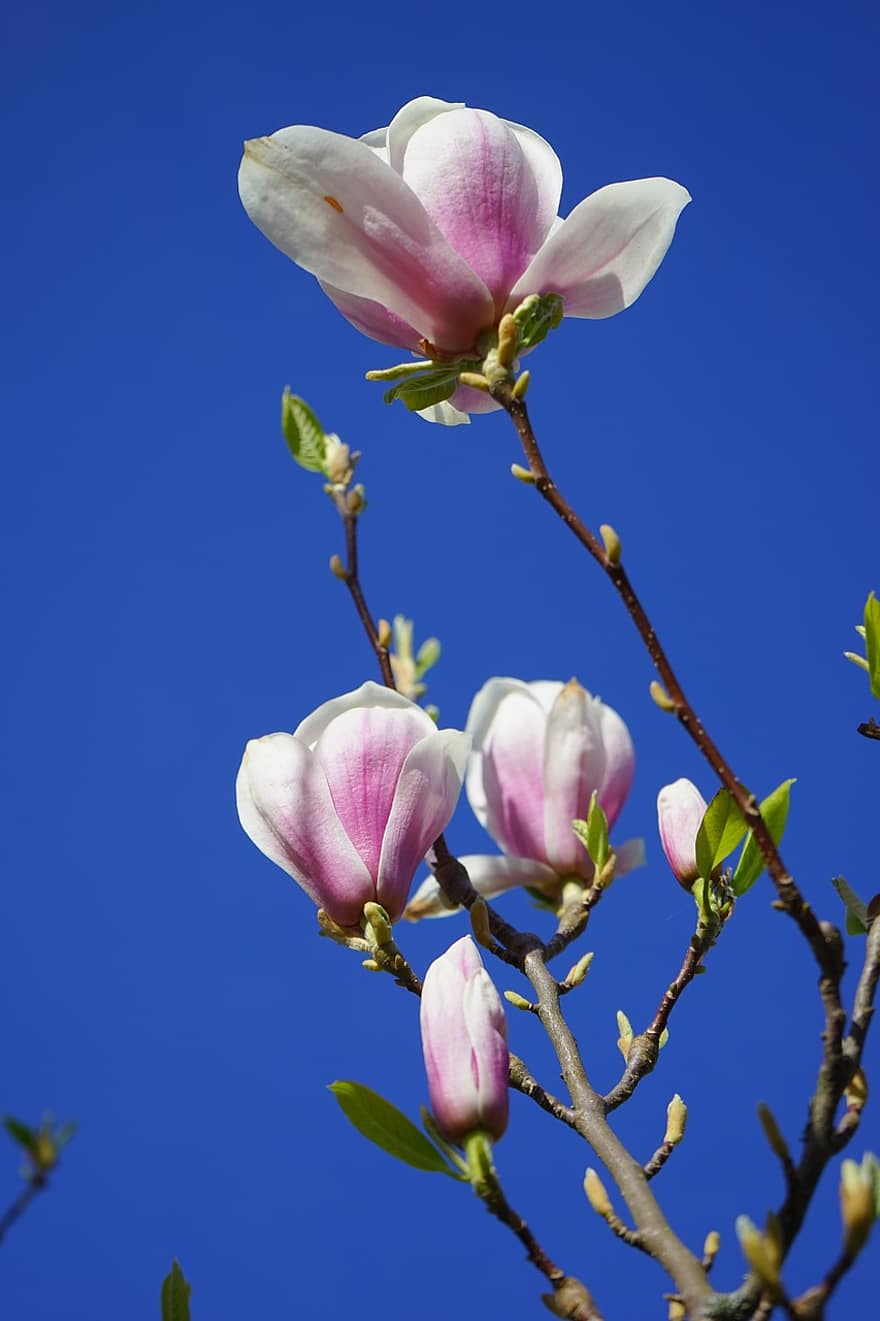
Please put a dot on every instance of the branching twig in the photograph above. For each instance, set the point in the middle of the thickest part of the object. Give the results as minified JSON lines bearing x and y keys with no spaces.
{"x":789,"y":895}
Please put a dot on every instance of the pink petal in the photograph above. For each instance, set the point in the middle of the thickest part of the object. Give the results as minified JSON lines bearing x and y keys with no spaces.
{"x":332,"y":205}
{"x":574,"y":764}
{"x":602,"y":256}
{"x":362,"y":753}
{"x":680,"y":810}
{"x":369,"y":694}
{"x":374,"y":320}
{"x":285,"y":808}
{"x":620,"y":763}
{"x":408,"y":119}
{"x":492,"y":201}
{"x":490,"y":1060}
{"x":427,"y":792}
{"x":505,"y":782}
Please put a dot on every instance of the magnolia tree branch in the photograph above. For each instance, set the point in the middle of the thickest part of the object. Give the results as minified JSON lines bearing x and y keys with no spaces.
{"x":645,"y":1048}
{"x":16,"y":1209}
{"x":790,"y":897}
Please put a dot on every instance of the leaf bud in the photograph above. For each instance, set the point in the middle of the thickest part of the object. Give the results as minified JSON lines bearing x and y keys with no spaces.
{"x":596,"y":1194}
{"x":337,"y":568}
{"x":508,"y":340}
{"x":580,"y":970}
{"x":356,"y":500}
{"x":711,"y":1247}
{"x":676,"y":1118}
{"x":383,"y":633}
{"x":625,"y":1040}
{"x":772,"y":1132}
{"x":859,"y":1201}
{"x":521,"y":385}
{"x":760,"y":1252}
{"x":474,"y":381}
{"x":479,"y":915}
{"x":856,"y":1092}
{"x":378,"y":925}
{"x":660,"y":697}
{"x":524,"y":475}
{"x":518,"y":1001}
{"x":611,"y":541}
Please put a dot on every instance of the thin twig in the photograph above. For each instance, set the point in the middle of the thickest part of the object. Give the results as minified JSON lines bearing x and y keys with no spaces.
{"x":789,"y":895}
{"x":522,"y":1081}
{"x":34,"y":1186}
{"x":645,"y":1048}
{"x":658,"y":1160}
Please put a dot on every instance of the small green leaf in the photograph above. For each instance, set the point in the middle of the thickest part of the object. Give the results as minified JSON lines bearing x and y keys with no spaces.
{"x":597,"y":834}
{"x":381,"y":1122}
{"x":536,"y":316}
{"x":721,"y":829}
{"x":774,"y":810}
{"x":20,"y":1133}
{"x":856,"y":909}
{"x":872,"y":641}
{"x":303,"y":432}
{"x":175,"y":1295}
{"x":424,"y":391}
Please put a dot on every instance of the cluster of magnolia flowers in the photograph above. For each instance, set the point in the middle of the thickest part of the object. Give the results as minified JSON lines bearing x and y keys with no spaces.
{"x":351,"y":803}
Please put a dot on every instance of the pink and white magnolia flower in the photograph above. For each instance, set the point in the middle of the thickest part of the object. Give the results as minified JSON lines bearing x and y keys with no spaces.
{"x":539,"y":751}
{"x":464,"y":1039}
{"x":426,"y":232}
{"x":680,"y":810}
{"x":350,"y":803}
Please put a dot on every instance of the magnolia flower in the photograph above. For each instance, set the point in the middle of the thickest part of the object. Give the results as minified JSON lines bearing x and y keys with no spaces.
{"x":539,"y":751}
{"x":350,"y":802}
{"x":680,"y":810}
{"x":426,"y":232}
{"x":464,"y":1039}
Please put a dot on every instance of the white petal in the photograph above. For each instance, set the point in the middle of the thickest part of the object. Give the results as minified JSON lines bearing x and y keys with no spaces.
{"x":445,"y":414}
{"x":480,"y":717}
{"x":410,"y":117}
{"x":338,"y":211}
{"x":490,"y":876}
{"x":602,"y":256}
{"x":369,"y":694}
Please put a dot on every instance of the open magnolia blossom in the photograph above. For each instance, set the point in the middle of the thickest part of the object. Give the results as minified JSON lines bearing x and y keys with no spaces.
{"x":680,"y":811}
{"x":464,"y":1039}
{"x":539,"y":751}
{"x":426,"y":232}
{"x":350,"y":803}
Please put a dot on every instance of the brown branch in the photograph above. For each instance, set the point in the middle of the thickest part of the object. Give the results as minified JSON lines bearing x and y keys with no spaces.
{"x":351,"y":578}
{"x":869,"y":728}
{"x":789,"y":895}
{"x":655,"y":1234}
{"x":522,"y":1081}
{"x":644,"y":1049}
{"x":658,"y":1160}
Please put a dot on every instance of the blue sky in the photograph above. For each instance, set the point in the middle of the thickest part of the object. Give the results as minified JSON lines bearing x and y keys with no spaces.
{"x":167,"y":597}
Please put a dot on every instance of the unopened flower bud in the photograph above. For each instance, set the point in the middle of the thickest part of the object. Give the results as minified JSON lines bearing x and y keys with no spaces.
{"x":680,"y":810}
{"x":597,"y":1195}
{"x":464,"y":1038}
{"x":676,"y":1118}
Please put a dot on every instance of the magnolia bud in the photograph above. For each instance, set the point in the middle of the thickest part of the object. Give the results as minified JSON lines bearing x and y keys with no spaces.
{"x":676,"y":1118}
{"x":680,"y":810}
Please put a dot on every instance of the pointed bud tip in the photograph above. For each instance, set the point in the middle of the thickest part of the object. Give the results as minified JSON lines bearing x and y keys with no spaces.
{"x":613,"y":548}
{"x":660,"y":697}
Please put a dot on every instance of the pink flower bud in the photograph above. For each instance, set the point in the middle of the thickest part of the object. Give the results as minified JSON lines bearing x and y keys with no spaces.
{"x":350,"y":802}
{"x":464,"y":1039}
{"x":680,"y":809}
{"x":540,"y":750}
{"x":425,"y":232}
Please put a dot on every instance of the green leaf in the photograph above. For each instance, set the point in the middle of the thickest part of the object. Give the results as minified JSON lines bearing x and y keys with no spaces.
{"x":872,"y":641}
{"x":774,"y":810}
{"x":721,"y":829}
{"x":20,"y":1133}
{"x":175,"y":1295}
{"x":303,"y":432}
{"x":597,"y":834}
{"x":856,"y":909}
{"x":381,"y":1122}
{"x":424,"y":391}
{"x":536,"y":316}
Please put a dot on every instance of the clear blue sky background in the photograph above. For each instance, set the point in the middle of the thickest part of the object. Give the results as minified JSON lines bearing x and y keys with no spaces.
{"x":166,"y":597}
